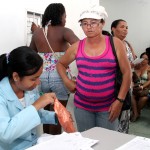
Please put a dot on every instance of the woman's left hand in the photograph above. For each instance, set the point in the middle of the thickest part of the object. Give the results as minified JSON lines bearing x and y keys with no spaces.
{"x":115,"y":110}
{"x":44,"y":100}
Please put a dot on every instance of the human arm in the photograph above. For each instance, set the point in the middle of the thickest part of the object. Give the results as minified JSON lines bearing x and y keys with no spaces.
{"x":21,"y":121}
{"x":44,"y":100}
{"x":63,"y":64}
{"x":15,"y":122}
{"x":147,"y":83}
{"x":125,"y":69}
{"x":132,"y":50}
{"x":69,"y":36}
{"x":47,"y":117}
{"x":37,"y":39}
{"x":133,"y":54}
{"x":34,"y":27}
{"x":32,"y":44}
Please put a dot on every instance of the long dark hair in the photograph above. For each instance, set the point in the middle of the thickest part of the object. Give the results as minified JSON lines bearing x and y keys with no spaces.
{"x":22,"y":60}
{"x":53,"y":12}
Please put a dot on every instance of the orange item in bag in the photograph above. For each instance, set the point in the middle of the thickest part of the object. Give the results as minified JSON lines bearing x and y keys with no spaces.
{"x":64,"y":117}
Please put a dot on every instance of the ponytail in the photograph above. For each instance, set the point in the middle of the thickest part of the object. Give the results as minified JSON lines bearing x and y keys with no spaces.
{"x":3,"y":66}
{"x":22,"y":60}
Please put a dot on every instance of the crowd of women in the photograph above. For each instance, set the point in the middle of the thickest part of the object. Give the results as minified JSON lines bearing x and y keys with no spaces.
{"x":43,"y":67}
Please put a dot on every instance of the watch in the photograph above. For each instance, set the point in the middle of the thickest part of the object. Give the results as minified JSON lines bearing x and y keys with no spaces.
{"x":120,"y":100}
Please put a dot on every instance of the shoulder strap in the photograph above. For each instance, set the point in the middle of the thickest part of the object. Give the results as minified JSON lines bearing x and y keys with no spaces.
{"x":113,"y":49}
{"x":56,"y":57}
{"x":128,"y":43}
{"x":80,"y":44}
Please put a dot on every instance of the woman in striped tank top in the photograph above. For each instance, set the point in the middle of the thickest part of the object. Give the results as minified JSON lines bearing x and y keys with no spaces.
{"x":94,"y":100}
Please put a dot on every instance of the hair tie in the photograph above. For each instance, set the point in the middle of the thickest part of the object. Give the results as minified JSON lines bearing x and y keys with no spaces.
{"x":49,"y":22}
{"x":7,"y":57}
{"x":46,"y":27}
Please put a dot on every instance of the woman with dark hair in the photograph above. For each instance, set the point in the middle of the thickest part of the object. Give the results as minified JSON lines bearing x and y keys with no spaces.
{"x":139,"y":100}
{"x":51,"y":42}
{"x":148,"y":52}
{"x":20,"y":104}
{"x":119,"y":29}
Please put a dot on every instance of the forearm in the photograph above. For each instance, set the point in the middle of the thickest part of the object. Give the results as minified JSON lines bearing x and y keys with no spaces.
{"x":48,"y":117}
{"x":62,"y":72}
{"x":18,"y":124}
{"x":146,"y":84}
{"x":125,"y":86}
{"x":70,"y":84}
{"x":32,"y":45}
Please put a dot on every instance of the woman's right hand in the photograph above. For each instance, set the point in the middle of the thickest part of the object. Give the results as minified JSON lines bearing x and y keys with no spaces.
{"x":44,"y":100}
{"x":71,"y":85}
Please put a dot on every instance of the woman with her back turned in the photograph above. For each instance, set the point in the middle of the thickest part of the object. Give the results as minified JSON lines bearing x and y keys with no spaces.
{"x":51,"y":47}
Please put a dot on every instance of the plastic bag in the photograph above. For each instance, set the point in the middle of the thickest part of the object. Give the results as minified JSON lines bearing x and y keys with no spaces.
{"x":64,"y":117}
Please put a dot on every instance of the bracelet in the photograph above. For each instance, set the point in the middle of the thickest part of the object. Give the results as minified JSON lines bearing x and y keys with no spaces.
{"x":120,"y":100}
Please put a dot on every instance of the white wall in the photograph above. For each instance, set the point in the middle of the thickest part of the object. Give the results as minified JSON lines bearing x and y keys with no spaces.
{"x":135,"y":12}
{"x":13,"y":24}
{"x":13,"y":19}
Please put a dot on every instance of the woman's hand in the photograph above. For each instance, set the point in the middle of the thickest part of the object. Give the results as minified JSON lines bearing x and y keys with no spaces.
{"x":34,"y":27}
{"x":71,"y":85}
{"x":45,"y":99}
{"x":132,"y":65}
{"x":115,"y":110}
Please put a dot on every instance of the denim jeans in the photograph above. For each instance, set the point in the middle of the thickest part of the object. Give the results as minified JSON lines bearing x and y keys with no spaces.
{"x":86,"y":120}
{"x":52,"y":82}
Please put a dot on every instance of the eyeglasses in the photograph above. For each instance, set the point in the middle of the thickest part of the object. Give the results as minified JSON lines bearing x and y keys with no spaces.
{"x":92,"y":24}
{"x":145,"y":58}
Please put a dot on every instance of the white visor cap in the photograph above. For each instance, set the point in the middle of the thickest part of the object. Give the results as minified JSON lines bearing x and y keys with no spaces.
{"x":96,"y":12}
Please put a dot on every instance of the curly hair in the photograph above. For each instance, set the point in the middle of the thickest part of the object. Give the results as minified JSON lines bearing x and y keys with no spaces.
{"x":53,"y":13}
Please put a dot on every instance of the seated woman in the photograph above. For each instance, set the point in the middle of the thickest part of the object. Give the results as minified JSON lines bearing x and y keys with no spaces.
{"x":140,"y":100}
{"x":20,"y":104}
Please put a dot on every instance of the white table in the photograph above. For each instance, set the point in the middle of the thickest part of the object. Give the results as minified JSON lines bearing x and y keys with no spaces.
{"x":108,"y":139}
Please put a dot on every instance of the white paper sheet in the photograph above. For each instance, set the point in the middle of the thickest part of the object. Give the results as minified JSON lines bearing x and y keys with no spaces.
{"x":137,"y":61}
{"x":138,"y":143}
{"x":66,"y":141}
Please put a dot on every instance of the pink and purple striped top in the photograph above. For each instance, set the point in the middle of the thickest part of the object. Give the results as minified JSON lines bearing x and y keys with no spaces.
{"x":95,"y":88}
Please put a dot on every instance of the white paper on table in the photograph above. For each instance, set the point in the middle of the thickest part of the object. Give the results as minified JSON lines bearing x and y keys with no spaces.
{"x":45,"y":137}
{"x":66,"y":141}
{"x":137,"y":61}
{"x":138,"y":143}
